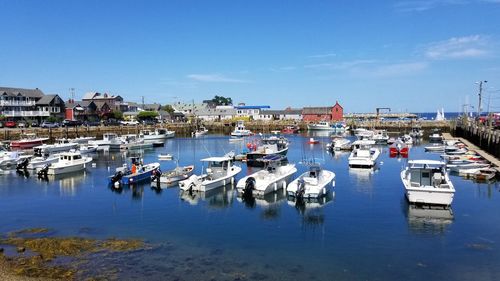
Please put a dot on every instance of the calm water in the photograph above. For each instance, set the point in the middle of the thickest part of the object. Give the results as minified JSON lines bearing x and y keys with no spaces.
{"x":365,"y":230}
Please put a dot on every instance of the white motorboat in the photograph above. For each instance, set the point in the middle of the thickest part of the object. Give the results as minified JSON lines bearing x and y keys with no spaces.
{"x":455,"y":150}
{"x":380,"y":137}
{"x":240,"y":131}
{"x":485,"y":174}
{"x":416,"y":132}
{"x":427,"y":182}
{"x":40,"y":161}
{"x":320,"y":126}
{"x":109,"y":141}
{"x":131,"y":141}
{"x":467,"y":169}
{"x":339,"y":144}
{"x":363,"y":157}
{"x":201,"y":131}
{"x":220,"y":171}
{"x":158,"y":134}
{"x":436,"y":137}
{"x":406,"y":139}
{"x":365,"y":134}
{"x":81,"y":140}
{"x":311,"y":184}
{"x":87,"y":148}
{"x":360,"y":143}
{"x":61,"y":145}
{"x":165,"y":157}
{"x":68,"y":162}
{"x":269,"y":146}
{"x":177,"y":174}
{"x":273,"y":177}
{"x":9,"y":159}
{"x":435,"y":148}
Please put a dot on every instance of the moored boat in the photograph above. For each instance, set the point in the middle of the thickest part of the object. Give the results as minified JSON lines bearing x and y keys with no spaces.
{"x":314,"y":183}
{"x":363,"y":157}
{"x":220,"y":171}
{"x":322,"y":126}
{"x":173,"y":176}
{"x":70,"y":161}
{"x":269,"y":145}
{"x":138,"y":172}
{"x":240,"y":131}
{"x":427,"y":182}
{"x":158,"y":134}
{"x":27,"y":141}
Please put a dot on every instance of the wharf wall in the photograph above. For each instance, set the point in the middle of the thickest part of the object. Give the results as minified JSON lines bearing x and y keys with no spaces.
{"x":485,"y":137}
{"x":185,"y":129}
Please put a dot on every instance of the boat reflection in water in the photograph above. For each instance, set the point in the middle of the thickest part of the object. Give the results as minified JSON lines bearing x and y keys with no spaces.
{"x":136,"y":189}
{"x":220,"y":197}
{"x":311,"y":209}
{"x":426,"y":219}
{"x":270,"y":203}
{"x":363,"y":179}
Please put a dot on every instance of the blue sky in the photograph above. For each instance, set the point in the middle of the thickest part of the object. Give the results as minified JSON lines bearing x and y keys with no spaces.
{"x":407,"y":55}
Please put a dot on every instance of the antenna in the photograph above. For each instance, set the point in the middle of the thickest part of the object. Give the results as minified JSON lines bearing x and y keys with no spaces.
{"x":72,"y":93}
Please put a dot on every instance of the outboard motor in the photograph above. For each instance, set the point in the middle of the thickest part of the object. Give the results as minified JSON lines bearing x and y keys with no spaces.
{"x":43,"y":172}
{"x":23,"y":164}
{"x":301,"y":189}
{"x":116,"y":177}
{"x":155,"y":176}
{"x":249,"y":186}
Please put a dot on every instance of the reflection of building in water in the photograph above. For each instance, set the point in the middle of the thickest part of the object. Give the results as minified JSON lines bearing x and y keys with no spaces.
{"x":428,"y":219}
{"x":220,"y":197}
{"x":69,"y":183}
{"x":363,"y":178}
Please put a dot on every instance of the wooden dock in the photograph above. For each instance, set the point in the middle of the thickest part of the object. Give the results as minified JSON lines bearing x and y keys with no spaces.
{"x":492,"y":159}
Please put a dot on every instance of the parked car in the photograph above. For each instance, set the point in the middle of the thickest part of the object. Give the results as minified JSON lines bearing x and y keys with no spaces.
{"x":10,"y":124}
{"x":111,"y":122}
{"x":149,"y":122}
{"x":92,"y":123}
{"x":34,"y":124}
{"x":22,"y":124}
{"x":129,"y":123}
{"x":47,"y":124}
{"x":1,"y":124}
{"x":71,"y":123}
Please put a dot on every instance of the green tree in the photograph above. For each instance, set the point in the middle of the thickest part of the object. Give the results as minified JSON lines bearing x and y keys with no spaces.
{"x":147,"y":115}
{"x":168,"y":108}
{"x":117,"y":114}
{"x":220,"y":100}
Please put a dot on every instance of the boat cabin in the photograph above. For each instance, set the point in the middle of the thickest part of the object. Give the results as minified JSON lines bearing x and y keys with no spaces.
{"x":70,"y":156}
{"x":314,"y":171}
{"x":109,"y":136}
{"x":161,"y":131}
{"x":217,"y":166}
{"x":427,"y":173}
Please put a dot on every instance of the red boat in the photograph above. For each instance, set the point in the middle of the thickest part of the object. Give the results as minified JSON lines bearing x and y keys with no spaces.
{"x":290,"y":130}
{"x":398,"y":148}
{"x":27,"y":141}
{"x":312,"y":141}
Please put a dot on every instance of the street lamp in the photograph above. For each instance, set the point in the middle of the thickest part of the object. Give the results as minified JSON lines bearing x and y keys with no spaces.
{"x":480,"y":93}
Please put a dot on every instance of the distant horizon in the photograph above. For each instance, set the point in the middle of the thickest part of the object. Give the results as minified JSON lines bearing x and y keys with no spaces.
{"x":260,"y":52}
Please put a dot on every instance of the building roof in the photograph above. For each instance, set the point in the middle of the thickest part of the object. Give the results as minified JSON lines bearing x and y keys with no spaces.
{"x":32,"y":93}
{"x":151,"y":106}
{"x":252,"y":106}
{"x":215,"y":111}
{"x":282,"y":112}
{"x":47,"y":99}
{"x":317,"y":110}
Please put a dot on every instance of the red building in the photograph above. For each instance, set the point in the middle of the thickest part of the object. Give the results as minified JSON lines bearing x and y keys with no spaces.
{"x":331,"y":113}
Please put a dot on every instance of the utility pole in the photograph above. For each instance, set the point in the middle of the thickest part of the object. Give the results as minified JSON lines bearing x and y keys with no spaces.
{"x":143,"y":102}
{"x":72,"y":93}
{"x":480,"y":95}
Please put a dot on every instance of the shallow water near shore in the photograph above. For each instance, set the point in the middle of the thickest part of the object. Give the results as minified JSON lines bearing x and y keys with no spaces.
{"x":363,"y":230}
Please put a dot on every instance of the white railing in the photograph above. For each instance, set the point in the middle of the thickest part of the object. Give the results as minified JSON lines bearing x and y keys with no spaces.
{"x":16,"y":103}
{"x":32,"y":113}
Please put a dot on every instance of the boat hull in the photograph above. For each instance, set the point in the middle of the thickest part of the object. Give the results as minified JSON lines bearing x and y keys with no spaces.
{"x":253,"y":158}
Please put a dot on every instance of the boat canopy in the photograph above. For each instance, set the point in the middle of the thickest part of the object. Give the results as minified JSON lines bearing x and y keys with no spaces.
{"x":216,"y":159}
{"x":425,"y":164}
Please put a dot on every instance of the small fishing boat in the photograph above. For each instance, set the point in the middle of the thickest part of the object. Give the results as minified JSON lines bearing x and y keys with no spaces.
{"x":173,"y":176}
{"x":363,"y":157}
{"x":436,"y":136}
{"x":80,"y":140}
{"x":70,"y":161}
{"x":138,"y":172}
{"x":312,"y":141}
{"x":416,"y":132}
{"x":165,"y":157}
{"x":339,"y":144}
{"x":39,"y":162}
{"x":27,"y":141}
{"x":158,"y":134}
{"x":435,"y":148}
{"x":427,"y":182}
{"x":268,"y":146}
{"x":273,"y":177}
{"x":407,"y":139}
{"x":240,"y":131}
{"x":320,"y":126}
{"x":10,"y":159}
{"x":109,"y":141}
{"x":485,"y":174}
{"x":201,"y":131}
{"x":61,"y":145}
{"x":380,"y":137}
{"x":311,"y":184}
{"x":131,"y":141}
{"x":290,"y":130}
{"x":219,"y":172}
{"x":87,"y":148}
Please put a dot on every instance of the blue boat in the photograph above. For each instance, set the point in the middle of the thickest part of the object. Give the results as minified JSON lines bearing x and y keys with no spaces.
{"x":138,"y":172}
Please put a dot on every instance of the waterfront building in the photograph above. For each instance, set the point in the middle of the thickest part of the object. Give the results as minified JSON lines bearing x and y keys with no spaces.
{"x":219,"y":113}
{"x":286,"y":114}
{"x":249,"y":111}
{"x":32,"y":104}
{"x":331,"y":113}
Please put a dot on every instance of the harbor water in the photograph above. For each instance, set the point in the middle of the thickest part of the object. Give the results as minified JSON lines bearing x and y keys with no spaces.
{"x":364,"y":229}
